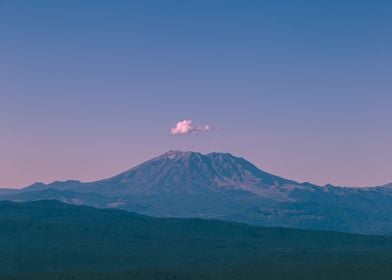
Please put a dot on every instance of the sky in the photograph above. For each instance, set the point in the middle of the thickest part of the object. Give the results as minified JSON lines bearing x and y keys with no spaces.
{"x":303,"y":89}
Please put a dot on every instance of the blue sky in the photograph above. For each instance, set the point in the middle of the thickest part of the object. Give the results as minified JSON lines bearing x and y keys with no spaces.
{"x":300,"y":88}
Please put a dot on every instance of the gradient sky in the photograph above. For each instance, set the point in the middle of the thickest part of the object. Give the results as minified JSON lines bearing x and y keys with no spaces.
{"x":303,"y":89}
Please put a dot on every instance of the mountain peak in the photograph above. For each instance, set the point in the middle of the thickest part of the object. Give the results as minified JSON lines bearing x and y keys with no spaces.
{"x":194,"y":172}
{"x":178,"y":155}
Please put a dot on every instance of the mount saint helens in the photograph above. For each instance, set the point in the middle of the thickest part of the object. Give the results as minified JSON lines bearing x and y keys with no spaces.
{"x":222,"y":186}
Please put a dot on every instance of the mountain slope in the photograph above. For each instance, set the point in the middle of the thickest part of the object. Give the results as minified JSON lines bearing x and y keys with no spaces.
{"x":222,"y":186}
{"x":193,"y":173}
{"x":49,"y":236}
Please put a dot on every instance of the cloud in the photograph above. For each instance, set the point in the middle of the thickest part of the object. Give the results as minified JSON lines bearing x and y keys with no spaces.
{"x":186,"y":127}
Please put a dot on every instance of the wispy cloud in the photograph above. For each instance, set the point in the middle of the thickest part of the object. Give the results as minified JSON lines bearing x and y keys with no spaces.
{"x":186,"y":127}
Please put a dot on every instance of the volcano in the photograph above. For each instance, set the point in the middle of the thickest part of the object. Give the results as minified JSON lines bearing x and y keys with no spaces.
{"x":226,"y":187}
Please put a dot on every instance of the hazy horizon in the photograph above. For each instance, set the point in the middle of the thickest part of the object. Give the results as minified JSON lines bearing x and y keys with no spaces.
{"x":182,"y":151}
{"x":302,"y":90}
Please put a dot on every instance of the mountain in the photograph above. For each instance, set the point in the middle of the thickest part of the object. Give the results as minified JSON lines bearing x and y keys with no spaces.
{"x":184,"y":173}
{"x":222,"y":186}
{"x":5,"y":191}
{"x":52,"y":240}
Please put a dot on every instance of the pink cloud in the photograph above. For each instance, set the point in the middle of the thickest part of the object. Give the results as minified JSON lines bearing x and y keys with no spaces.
{"x":186,"y":127}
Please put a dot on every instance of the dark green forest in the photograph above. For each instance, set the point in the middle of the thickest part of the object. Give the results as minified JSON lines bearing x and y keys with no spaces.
{"x":52,"y":240}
